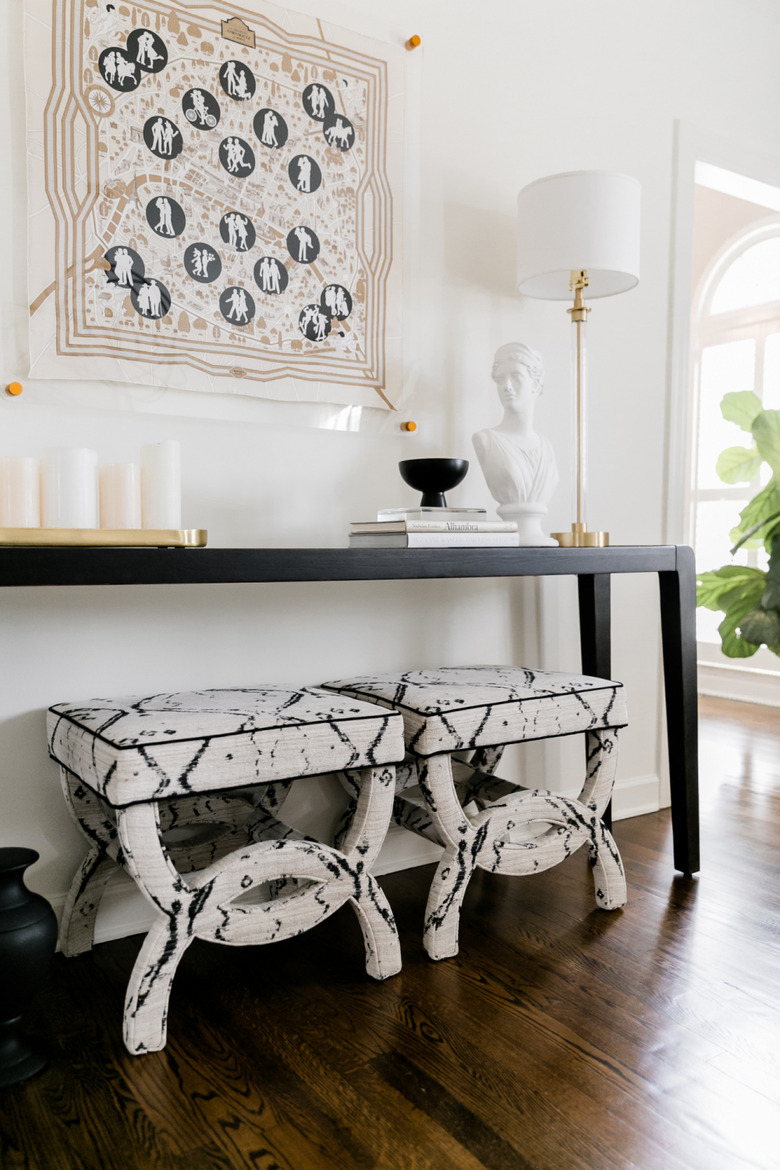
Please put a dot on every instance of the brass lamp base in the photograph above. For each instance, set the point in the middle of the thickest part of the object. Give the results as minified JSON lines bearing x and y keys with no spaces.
{"x":580,"y":537}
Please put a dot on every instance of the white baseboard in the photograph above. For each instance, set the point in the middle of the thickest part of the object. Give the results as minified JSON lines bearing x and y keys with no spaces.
{"x":124,"y":911}
{"x":742,"y":683}
{"x":635,"y":797}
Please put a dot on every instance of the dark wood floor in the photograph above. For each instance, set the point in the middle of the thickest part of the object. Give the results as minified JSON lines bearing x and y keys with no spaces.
{"x":560,"y":1037}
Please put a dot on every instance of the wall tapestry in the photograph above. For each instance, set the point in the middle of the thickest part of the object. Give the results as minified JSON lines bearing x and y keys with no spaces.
{"x":214,"y":200}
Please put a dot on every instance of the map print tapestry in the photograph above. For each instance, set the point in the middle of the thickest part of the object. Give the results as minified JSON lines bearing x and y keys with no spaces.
{"x":215,"y":200}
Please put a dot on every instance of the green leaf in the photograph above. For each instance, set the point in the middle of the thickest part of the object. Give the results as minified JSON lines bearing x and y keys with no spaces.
{"x":766,"y":432}
{"x":757,"y":513}
{"x":770,"y":598}
{"x":733,"y":644}
{"x":761,"y":626}
{"x":724,"y":587}
{"x":738,"y":464}
{"x":741,"y":408}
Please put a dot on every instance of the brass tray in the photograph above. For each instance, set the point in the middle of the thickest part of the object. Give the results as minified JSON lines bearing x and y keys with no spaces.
{"x":104,"y":537}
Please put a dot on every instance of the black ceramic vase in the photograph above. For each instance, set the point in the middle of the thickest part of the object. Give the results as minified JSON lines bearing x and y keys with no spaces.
{"x":28,"y":938}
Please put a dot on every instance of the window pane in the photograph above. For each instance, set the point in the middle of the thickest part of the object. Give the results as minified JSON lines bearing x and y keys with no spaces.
{"x":724,"y":368}
{"x":753,"y":279}
{"x":772,"y":372}
{"x":714,"y":521}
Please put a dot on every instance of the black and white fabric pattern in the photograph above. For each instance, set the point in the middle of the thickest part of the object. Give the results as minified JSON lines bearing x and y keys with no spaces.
{"x":481,"y":820}
{"x":135,"y":769}
{"x":456,"y":708}
{"x":151,"y":747}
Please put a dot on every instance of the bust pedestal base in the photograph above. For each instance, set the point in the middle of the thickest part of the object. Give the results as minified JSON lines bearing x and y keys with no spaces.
{"x":528,"y":517}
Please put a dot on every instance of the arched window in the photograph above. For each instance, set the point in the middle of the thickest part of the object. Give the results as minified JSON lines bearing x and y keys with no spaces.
{"x":735,"y":335}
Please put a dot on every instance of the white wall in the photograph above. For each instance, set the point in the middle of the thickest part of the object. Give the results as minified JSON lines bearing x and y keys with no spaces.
{"x":503,"y":94}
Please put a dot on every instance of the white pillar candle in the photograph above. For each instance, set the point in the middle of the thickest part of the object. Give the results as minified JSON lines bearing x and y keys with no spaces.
{"x":69,"y":488}
{"x":20,"y":492}
{"x":161,"y":484}
{"x":120,"y":495}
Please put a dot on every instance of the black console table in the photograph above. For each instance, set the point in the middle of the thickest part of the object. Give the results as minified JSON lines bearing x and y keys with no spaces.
{"x":593,"y":568}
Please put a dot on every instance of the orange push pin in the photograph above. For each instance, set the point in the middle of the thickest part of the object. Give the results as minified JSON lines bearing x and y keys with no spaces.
{"x":413,"y":42}
{"x":14,"y":388}
{"x":409,"y":426}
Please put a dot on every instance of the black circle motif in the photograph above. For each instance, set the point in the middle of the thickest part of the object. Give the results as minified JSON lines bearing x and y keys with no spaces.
{"x":147,"y":50}
{"x":201,"y":109}
{"x":118,"y":70}
{"x":270,"y":127}
{"x":236,"y":305}
{"x":318,"y":101}
{"x":237,"y":231}
{"x":202,"y":263}
{"x":305,"y":174}
{"x":151,"y":299}
{"x":271,"y":275}
{"x":237,"y":80}
{"x":339,"y":132}
{"x":163,"y":137}
{"x":303,"y":245}
{"x":237,"y":157}
{"x":314,"y":322}
{"x":336,"y":300}
{"x":165,"y":216}
{"x":127,"y":267}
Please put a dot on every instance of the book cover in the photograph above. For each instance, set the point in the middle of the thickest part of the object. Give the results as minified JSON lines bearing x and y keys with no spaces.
{"x":419,"y":513}
{"x":385,"y":526}
{"x":434,"y":540}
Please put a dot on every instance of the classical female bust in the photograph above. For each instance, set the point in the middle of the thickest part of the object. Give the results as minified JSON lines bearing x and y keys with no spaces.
{"x":518,"y":463}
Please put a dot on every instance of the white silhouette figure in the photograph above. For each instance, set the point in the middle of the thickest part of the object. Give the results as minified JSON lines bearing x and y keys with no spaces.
{"x":147,"y":54}
{"x":240,"y":227}
{"x":143,"y":299}
{"x":304,"y":174}
{"x":155,"y":299}
{"x":165,"y":222}
{"x":304,"y":243}
{"x":239,"y":309}
{"x":167,"y":136}
{"x":340,"y":133}
{"x":270,"y":122}
{"x":109,"y":67}
{"x":236,"y":156}
{"x":123,"y":267}
{"x":320,"y":326}
{"x":199,"y":105}
{"x":125,"y":69}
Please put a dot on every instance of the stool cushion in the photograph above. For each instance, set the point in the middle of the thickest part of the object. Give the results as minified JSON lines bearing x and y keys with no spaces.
{"x":145,"y":747}
{"x":462,"y":707}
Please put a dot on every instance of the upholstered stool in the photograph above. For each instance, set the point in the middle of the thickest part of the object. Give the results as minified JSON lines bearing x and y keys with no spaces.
{"x":482,"y":821}
{"x":139,"y":773}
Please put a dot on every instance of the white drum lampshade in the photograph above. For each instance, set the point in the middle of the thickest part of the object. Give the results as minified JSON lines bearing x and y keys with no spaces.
{"x":578,"y":232}
{"x":578,"y":220}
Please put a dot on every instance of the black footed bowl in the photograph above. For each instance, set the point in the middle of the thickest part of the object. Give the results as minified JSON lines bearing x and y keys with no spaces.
{"x":433,"y":477}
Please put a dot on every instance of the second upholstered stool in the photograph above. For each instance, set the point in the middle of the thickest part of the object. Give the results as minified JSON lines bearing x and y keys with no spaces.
{"x":482,"y":821}
{"x":139,"y":773}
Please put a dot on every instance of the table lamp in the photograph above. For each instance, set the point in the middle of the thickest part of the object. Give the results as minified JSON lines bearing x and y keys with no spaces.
{"x":578,"y":231}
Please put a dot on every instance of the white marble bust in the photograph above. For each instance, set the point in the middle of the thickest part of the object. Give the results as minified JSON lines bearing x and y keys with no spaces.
{"x":518,"y":463}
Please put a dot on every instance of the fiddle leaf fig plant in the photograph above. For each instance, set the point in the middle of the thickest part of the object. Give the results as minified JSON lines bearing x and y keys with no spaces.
{"x":749,"y":598}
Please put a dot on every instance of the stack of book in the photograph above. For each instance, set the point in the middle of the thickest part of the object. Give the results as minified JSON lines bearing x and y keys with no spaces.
{"x":432,"y":528}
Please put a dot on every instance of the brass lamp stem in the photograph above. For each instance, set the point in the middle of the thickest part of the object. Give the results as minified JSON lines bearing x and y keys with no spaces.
{"x":579,"y":315}
{"x":580,"y":537}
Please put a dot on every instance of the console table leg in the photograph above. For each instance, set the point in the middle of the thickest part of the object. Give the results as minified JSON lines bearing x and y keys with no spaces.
{"x":595,"y":593}
{"x":678,"y":633}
